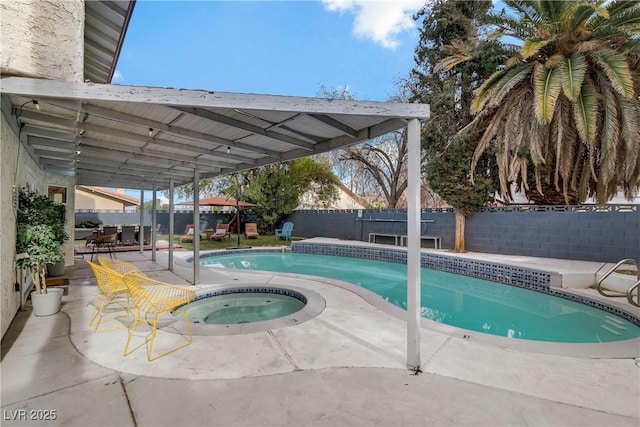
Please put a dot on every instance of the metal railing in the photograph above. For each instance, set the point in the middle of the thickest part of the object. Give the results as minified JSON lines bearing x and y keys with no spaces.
{"x":632,"y":288}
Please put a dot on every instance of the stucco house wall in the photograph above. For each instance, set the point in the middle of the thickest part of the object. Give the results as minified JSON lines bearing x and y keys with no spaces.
{"x":43,"y":39}
{"x":86,"y":201}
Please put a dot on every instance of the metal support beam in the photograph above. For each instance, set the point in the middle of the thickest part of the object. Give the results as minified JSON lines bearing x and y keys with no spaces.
{"x":141,"y":226}
{"x":196,"y":227}
{"x":413,"y":246}
{"x":171,"y":227}
{"x":154,"y":222}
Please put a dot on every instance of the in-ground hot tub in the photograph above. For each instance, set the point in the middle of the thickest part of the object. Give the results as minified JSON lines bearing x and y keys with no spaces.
{"x":245,"y":305}
{"x":245,"y":309}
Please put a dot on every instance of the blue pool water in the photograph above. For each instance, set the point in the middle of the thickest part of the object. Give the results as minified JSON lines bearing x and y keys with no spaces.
{"x":464,"y":302}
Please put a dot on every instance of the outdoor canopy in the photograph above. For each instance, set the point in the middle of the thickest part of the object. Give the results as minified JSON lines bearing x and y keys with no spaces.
{"x":146,"y":137}
{"x":154,"y":138}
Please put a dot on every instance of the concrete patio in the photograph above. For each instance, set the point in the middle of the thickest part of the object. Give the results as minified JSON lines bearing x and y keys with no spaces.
{"x":344,"y":367}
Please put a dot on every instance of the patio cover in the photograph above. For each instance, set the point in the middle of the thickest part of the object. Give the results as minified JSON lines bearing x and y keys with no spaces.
{"x":155,"y":138}
{"x":146,"y":137}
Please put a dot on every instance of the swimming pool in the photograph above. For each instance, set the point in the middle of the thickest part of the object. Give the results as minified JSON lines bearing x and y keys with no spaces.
{"x":460,"y":301}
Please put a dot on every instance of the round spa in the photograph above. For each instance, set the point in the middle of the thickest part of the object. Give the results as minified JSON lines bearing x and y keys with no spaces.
{"x":245,"y":305}
{"x":242,"y":309}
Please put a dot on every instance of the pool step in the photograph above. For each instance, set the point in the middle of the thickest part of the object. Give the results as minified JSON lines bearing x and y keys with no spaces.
{"x":610,"y":330}
{"x":611,"y":319}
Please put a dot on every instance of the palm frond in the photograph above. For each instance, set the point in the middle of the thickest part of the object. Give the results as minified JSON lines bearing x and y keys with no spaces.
{"x":487,"y":137}
{"x":585,"y":110}
{"x":532,"y":46}
{"x":617,"y":69}
{"x":528,"y":10}
{"x":630,"y":47}
{"x":614,"y":8}
{"x":553,"y":10}
{"x":624,"y":18}
{"x":585,"y":175}
{"x":577,"y":17}
{"x":486,"y":90}
{"x":630,"y":132}
{"x":547,"y":86}
{"x":566,"y":149}
{"x":511,"y":78}
{"x":609,"y":139}
{"x":446,"y":64}
{"x":619,"y":6}
{"x":573,"y":70}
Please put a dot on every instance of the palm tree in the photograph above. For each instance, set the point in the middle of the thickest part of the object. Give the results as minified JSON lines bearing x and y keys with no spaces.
{"x":567,"y":102}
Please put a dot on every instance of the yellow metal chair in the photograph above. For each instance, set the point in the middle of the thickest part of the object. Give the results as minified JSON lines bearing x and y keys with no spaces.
{"x":152,"y":299}
{"x":122,"y":267}
{"x":112,"y":290}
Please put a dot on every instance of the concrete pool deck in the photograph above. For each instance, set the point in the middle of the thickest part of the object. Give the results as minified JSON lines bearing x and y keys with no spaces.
{"x":344,"y":367}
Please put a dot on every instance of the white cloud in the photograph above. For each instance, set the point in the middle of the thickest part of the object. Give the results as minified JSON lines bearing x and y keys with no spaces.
{"x":117,"y":76}
{"x":378,"y":20}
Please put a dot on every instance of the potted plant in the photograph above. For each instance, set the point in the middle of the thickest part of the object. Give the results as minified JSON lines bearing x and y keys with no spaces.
{"x":40,"y":233}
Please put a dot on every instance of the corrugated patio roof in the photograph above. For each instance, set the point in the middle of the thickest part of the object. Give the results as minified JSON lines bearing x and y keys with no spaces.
{"x":105,"y":26}
{"x":141,"y":137}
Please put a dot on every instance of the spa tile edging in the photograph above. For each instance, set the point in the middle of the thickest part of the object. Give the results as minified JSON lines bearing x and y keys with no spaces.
{"x":535,"y":280}
{"x":253,"y":290}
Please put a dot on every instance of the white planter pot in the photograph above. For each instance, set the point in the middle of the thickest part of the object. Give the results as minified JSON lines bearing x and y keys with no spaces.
{"x":47,"y":304}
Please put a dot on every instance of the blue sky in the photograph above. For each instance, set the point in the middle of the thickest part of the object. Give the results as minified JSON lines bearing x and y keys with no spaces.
{"x":271,"y":47}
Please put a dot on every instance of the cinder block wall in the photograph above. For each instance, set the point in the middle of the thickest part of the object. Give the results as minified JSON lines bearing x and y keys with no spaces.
{"x":587,"y":232}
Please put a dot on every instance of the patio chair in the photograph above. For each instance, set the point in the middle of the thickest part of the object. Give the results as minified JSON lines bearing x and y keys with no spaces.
{"x":251,"y":230}
{"x":128,"y":236}
{"x":222,"y":231}
{"x":188,"y":234}
{"x":146,"y":234}
{"x":107,"y":241}
{"x":153,"y":299}
{"x":285,"y":231}
{"x":110,"y":229}
{"x":121,"y":267}
{"x":111,"y":292}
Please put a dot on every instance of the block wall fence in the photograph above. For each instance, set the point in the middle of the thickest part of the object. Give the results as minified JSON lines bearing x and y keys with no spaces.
{"x":584,"y":232}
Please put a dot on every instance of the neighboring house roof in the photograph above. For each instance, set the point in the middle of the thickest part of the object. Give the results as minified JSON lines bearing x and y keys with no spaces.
{"x":356,"y":199}
{"x":114,"y":195}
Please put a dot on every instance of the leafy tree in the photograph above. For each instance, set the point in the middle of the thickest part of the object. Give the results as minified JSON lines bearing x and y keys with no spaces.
{"x":449,"y":94}
{"x":40,"y":232}
{"x":277,"y":189}
{"x":148,"y":206}
{"x":563,"y":113}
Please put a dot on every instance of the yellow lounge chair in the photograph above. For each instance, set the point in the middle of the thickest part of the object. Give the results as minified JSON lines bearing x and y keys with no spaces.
{"x":122,"y":267}
{"x":112,"y":290}
{"x":152,"y":299}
